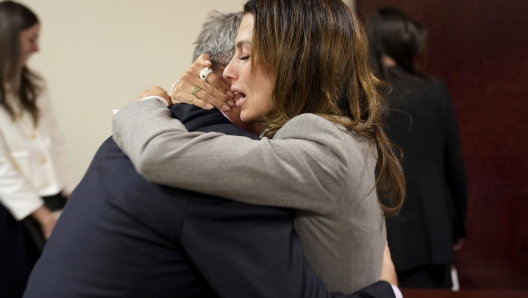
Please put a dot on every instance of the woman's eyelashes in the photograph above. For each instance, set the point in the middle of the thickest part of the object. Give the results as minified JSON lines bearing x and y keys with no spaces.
{"x":244,"y":57}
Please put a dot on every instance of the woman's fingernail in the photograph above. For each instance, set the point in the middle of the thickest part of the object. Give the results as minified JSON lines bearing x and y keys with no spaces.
{"x":209,"y":106}
{"x":208,"y":62}
{"x":225,"y":108}
{"x":231,"y":103}
{"x":230,"y":94}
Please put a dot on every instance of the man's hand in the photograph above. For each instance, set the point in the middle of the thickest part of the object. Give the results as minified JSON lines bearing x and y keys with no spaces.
{"x":388,"y":272}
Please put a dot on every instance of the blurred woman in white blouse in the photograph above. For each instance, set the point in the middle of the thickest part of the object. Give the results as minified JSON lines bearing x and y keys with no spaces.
{"x":35,"y":178}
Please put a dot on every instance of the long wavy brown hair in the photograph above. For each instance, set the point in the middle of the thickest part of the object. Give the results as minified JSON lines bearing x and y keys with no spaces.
{"x":318,"y":52}
{"x":14,"y":18}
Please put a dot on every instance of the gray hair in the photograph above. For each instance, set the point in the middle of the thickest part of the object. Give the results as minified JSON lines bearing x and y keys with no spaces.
{"x":217,"y":37}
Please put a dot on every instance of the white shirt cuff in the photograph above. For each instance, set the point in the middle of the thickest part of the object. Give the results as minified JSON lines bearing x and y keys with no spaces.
{"x":172,"y":88}
{"x":397,"y":291}
{"x":24,"y":209}
{"x":161,"y":99}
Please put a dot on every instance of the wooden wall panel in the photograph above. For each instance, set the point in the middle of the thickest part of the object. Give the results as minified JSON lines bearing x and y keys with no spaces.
{"x":480,"y":49}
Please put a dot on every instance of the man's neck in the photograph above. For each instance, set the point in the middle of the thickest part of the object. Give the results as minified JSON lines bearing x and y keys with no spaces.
{"x":234,"y":116}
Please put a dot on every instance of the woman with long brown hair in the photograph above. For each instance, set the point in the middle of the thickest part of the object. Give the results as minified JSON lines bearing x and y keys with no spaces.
{"x":301,"y":68}
{"x":33,"y":169}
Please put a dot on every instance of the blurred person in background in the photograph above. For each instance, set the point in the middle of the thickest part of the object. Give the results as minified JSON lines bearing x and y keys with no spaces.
{"x":34,"y":175}
{"x":421,"y":120}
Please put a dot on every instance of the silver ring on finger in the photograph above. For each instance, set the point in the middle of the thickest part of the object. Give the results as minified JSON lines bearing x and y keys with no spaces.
{"x":204,"y":73}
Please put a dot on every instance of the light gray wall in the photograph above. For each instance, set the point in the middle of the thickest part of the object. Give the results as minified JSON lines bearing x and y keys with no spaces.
{"x":351,"y":3}
{"x":98,"y":55}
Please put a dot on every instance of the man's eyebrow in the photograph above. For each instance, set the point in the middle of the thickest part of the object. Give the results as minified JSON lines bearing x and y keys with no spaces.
{"x":242,"y":42}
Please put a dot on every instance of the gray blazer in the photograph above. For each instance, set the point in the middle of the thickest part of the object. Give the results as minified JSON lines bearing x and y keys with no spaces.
{"x":312,"y":165}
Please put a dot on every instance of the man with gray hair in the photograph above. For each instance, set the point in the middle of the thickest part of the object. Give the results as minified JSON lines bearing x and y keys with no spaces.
{"x":121,"y":236}
{"x":217,"y":37}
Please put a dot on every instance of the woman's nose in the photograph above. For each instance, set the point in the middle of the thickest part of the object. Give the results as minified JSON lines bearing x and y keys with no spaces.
{"x":230,"y":70}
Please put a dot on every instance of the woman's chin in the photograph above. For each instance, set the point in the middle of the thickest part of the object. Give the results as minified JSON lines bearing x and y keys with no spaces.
{"x":245,"y":117}
{"x":248,"y":118}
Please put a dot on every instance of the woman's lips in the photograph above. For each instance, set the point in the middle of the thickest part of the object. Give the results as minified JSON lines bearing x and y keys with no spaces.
{"x":240,"y":98}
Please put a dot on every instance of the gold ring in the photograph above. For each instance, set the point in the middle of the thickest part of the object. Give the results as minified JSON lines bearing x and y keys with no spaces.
{"x":195,"y":90}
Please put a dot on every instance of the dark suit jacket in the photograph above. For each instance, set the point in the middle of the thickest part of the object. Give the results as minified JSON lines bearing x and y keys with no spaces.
{"x":122,"y":236}
{"x":422,"y":123}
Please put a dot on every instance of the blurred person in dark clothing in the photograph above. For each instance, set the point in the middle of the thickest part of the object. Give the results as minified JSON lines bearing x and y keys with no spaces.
{"x":421,"y":120}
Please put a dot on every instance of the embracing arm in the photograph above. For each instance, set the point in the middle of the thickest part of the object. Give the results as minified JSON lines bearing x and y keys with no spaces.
{"x":301,"y":171}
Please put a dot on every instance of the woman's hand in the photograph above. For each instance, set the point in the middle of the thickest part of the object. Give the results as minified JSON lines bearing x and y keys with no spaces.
{"x":459,"y":244}
{"x":213,"y":92}
{"x":46,"y":220}
{"x":157,"y":91}
{"x":48,"y":226}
